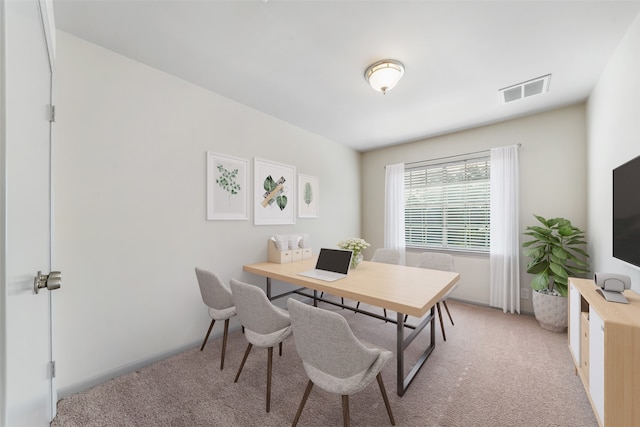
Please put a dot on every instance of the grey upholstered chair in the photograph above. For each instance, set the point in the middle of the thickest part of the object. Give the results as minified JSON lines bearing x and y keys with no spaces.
{"x":333,"y":358}
{"x":217,"y":296}
{"x":443,"y":262}
{"x":387,"y":256}
{"x":265,"y":325}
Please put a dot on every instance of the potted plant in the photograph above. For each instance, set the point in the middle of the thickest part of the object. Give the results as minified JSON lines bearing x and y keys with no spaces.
{"x":556,"y":254}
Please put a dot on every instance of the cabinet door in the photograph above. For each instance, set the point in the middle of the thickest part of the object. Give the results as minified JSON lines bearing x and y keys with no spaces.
{"x":596,"y":362}
{"x":574,"y":323}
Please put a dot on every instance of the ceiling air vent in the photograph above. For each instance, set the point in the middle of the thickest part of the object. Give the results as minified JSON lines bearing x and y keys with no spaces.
{"x":526,"y":89}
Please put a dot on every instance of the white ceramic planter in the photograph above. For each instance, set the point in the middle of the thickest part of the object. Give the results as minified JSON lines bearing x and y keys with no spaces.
{"x":550,"y":311}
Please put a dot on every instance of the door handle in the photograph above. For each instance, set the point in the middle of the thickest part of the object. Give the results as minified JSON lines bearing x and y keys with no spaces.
{"x":51,"y":281}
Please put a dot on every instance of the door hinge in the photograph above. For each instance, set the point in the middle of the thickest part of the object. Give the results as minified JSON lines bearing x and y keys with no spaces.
{"x":52,"y":369}
{"x":52,"y":113}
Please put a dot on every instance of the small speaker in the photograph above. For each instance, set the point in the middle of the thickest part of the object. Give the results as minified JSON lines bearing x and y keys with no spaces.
{"x":612,"y":285}
{"x":612,"y":282}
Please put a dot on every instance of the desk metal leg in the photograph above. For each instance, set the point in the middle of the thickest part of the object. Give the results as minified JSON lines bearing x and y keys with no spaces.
{"x":402,"y":343}
{"x":400,"y":354}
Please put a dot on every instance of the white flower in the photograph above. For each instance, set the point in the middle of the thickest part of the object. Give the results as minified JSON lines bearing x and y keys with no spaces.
{"x":355,"y":244}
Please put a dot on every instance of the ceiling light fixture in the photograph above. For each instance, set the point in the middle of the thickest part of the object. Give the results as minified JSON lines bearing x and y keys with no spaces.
{"x":384,"y":75}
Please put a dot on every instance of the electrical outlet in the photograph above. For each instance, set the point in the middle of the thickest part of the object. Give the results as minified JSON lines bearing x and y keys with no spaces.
{"x":524,"y":293}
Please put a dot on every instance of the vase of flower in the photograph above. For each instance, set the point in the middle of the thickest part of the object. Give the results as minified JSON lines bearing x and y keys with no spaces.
{"x":356,"y":245}
{"x":355,"y":260}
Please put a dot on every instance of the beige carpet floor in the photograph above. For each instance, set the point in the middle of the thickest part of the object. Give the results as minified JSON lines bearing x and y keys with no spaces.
{"x":495,"y":369}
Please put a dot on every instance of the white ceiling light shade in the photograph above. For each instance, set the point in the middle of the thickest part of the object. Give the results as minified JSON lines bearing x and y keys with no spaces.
{"x":384,"y":75}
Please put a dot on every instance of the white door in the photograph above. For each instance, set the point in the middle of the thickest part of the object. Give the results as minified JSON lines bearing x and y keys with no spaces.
{"x":28,"y":61}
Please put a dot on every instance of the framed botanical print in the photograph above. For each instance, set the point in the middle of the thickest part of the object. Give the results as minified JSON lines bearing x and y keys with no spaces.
{"x":227,"y":189}
{"x":308,"y":196}
{"x":274,"y":193}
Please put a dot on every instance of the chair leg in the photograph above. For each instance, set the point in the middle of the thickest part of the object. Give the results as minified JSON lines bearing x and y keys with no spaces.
{"x":224,"y":343}
{"x":213,"y":321}
{"x":244,"y":359}
{"x":406,"y":316}
{"x":358,"y":304}
{"x":280,"y":349}
{"x":386,"y":399}
{"x":444,"y":336}
{"x":307,"y":391}
{"x":345,"y":410}
{"x":385,"y":313}
{"x":269,"y":364}
{"x":447,"y":308}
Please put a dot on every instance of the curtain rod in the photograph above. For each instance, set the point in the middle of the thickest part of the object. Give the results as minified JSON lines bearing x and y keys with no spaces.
{"x":450,"y":157}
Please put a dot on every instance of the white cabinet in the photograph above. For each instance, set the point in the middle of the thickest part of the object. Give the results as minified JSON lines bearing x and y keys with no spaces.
{"x":604,"y":339}
{"x":596,"y":362}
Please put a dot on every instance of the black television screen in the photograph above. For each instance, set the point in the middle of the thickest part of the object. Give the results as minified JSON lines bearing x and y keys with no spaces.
{"x":626,"y":212}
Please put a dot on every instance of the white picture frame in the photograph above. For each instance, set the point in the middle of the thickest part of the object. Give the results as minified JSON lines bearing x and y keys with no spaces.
{"x":274,"y":193}
{"x":227,"y":187}
{"x":308,"y":196}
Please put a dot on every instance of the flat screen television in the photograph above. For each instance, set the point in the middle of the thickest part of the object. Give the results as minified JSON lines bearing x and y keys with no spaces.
{"x":626,"y":212}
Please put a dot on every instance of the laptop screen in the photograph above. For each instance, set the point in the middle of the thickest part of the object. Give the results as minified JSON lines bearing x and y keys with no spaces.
{"x":336,"y":260}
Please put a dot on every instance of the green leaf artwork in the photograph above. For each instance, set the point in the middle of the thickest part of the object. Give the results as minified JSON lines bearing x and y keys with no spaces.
{"x":282,"y":202}
{"x":270,"y":186}
{"x":308,"y":193}
{"x":227,"y":180}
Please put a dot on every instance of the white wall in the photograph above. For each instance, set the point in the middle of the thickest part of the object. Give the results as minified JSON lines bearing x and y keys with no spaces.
{"x":613,"y":112}
{"x":552,"y":182}
{"x":130,"y":207}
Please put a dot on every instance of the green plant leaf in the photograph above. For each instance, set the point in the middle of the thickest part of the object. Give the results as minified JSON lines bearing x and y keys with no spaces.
{"x":577,"y":260}
{"x":541,"y":281}
{"x":537,"y":267}
{"x":559,"y":253}
{"x":541,"y":230}
{"x":542,"y":220}
{"x":576,"y":271}
{"x":581,"y":252}
{"x":560,"y":222}
{"x":567,"y":231}
{"x":576,"y":241}
{"x":561,"y":280}
{"x":562,"y":289}
{"x":536,"y":252}
{"x":529,"y":243}
{"x":558,"y":270}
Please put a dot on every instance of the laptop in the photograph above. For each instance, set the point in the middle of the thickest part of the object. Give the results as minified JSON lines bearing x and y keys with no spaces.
{"x":332,"y":265}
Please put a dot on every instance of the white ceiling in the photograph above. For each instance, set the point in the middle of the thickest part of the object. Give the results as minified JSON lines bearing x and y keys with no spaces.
{"x":303,"y":61}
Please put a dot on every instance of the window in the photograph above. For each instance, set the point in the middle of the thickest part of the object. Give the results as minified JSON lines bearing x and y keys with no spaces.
{"x":447,"y":205}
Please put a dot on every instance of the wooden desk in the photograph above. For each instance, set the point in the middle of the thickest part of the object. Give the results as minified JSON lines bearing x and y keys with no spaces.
{"x":405,"y":290}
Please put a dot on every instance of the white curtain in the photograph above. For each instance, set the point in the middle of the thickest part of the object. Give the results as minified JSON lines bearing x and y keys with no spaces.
{"x":505,"y":233}
{"x":394,"y":209}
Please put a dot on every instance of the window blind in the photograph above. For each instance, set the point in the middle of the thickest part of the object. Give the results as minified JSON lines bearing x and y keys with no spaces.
{"x":447,"y":205}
